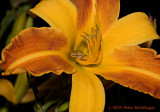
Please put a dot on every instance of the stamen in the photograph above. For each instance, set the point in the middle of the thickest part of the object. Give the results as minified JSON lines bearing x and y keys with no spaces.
{"x":85,"y":38}
{"x":95,"y":31}
{"x":94,"y":44}
{"x":87,"y":34}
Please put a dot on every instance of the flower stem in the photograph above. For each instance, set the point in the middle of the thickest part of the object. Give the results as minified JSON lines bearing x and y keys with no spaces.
{"x":32,"y":82}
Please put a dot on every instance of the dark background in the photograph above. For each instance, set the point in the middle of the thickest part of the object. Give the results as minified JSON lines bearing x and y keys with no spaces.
{"x":119,"y":95}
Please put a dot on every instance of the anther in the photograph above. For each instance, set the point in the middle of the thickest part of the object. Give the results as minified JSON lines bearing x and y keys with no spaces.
{"x":95,"y":32}
{"x":94,"y":44}
{"x":87,"y":34}
{"x":85,"y":38}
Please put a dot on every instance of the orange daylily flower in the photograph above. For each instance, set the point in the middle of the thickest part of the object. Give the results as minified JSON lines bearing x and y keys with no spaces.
{"x":87,"y":38}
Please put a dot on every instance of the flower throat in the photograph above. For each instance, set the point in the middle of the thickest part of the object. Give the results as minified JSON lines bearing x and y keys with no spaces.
{"x":94,"y":46}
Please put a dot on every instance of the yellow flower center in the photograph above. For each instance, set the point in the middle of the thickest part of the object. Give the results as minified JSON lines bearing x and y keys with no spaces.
{"x":94,"y":46}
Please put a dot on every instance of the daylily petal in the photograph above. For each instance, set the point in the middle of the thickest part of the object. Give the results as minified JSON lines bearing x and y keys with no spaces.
{"x":38,"y":50}
{"x":108,"y":11}
{"x":130,"y":30}
{"x":85,"y":13}
{"x":134,"y":67}
{"x":103,"y":13}
{"x":85,"y":18}
{"x":87,"y":93}
{"x":7,"y":90}
{"x":60,"y":14}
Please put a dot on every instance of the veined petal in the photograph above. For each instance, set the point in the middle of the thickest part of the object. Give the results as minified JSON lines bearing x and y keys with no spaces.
{"x":60,"y":14}
{"x":86,"y":20}
{"x":38,"y":50}
{"x":134,"y":67}
{"x":7,"y":90}
{"x":92,"y":12}
{"x":84,"y":10}
{"x":108,"y":11}
{"x":130,"y":30}
{"x":87,"y":93}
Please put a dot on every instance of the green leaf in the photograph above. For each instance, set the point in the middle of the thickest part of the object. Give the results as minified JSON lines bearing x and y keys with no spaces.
{"x":63,"y":107}
{"x":47,"y":105}
{"x":29,"y":22}
{"x":18,"y":25}
{"x":20,"y":86}
{"x":6,"y":21}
